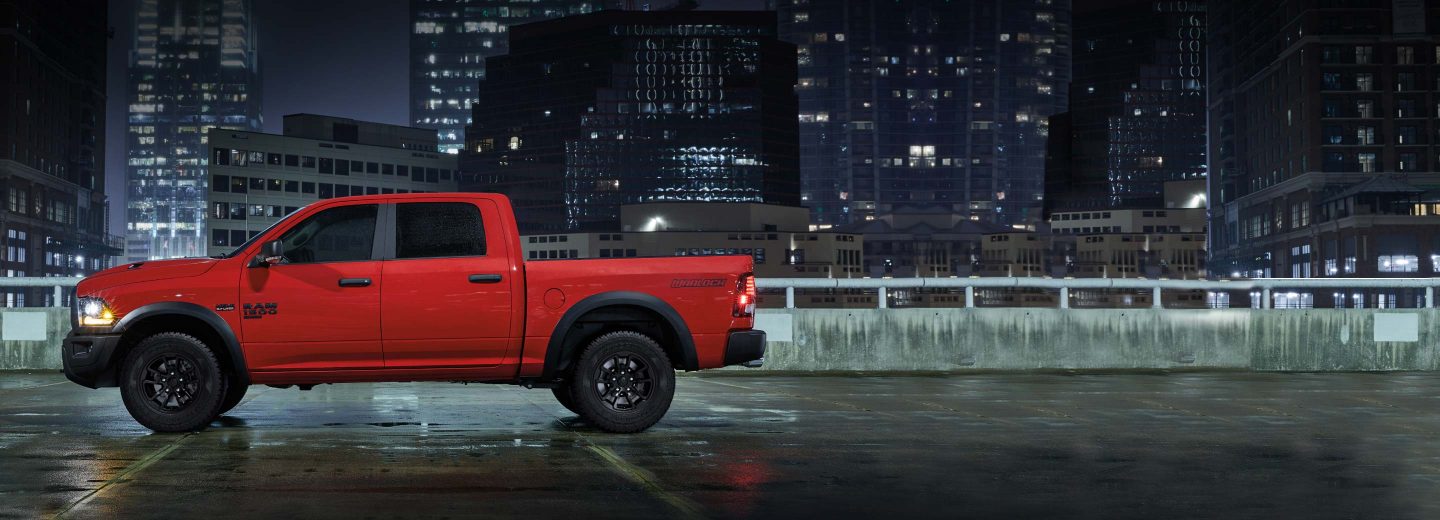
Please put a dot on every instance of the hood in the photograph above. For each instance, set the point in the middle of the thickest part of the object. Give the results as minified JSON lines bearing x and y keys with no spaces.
{"x":146,"y":271}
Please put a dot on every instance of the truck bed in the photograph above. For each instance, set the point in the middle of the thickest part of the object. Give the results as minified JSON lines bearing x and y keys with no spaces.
{"x":701,"y":289}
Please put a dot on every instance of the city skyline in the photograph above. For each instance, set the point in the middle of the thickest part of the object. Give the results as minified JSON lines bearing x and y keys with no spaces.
{"x":323,"y":69}
{"x":886,"y":107}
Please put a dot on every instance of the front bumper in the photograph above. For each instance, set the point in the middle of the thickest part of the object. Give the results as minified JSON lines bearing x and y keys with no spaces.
{"x":87,"y":359}
{"x":745,"y":347}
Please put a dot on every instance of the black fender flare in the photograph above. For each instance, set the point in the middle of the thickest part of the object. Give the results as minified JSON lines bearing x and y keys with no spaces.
{"x":556,"y":352}
{"x":218,"y":324}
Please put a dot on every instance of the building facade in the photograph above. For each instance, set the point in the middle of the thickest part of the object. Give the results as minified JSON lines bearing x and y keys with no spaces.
{"x":1322,"y":145}
{"x":257,"y":178}
{"x":52,"y":143}
{"x":193,"y":67}
{"x":592,"y":112}
{"x":777,"y":237}
{"x":1137,"y":105}
{"x":927,"y":102}
{"x":449,"y":41}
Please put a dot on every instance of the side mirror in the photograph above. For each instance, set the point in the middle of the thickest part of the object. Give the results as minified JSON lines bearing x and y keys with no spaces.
{"x":272,"y":253}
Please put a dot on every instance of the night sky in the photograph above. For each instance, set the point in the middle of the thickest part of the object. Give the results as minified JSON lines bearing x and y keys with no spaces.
{"x":346,"y":58}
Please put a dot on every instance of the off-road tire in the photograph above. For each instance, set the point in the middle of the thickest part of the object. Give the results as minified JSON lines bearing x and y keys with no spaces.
{"x":205,"y":383}
{"x":562,"y":394}
{"x":234,"y":393}
{"x":589,"y":389}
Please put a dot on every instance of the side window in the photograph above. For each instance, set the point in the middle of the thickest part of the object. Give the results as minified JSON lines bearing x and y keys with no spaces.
{"x":342,"y":234}
{"x":438,"y":229}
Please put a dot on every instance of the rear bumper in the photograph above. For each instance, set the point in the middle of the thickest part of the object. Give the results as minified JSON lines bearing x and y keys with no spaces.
{"x":745,"y":347}
{"x":87,"y":359}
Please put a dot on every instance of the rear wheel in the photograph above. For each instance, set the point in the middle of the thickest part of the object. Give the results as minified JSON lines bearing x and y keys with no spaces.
{"x":171,"y":382}
{"x":623,"y":382}
{"x":562,"y":394}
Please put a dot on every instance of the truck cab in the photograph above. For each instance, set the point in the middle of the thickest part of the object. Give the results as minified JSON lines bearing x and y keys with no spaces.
{"x":412,"y":287}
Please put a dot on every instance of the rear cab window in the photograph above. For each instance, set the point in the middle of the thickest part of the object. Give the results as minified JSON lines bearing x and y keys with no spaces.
{"x":438,"y":230}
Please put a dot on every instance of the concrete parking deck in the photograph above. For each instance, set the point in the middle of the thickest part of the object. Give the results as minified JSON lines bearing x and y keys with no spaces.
{"x":1226,"y":445}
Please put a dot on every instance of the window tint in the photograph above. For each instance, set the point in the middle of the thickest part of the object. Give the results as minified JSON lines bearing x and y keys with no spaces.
{"x":437,"y":229}
{"x":338,"y":234}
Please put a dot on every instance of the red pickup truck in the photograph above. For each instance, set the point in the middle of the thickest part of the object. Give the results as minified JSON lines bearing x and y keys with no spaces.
{"x":415,"y":287}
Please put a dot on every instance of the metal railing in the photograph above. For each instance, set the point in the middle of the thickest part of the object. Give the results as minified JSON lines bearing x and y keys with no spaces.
{"x":59,"y":283}
{"x":1264,"y":286}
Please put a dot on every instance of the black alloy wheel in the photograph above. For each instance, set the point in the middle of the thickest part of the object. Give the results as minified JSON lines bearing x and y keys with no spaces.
{"x":171,"y":383}
{"x":623,"y":382}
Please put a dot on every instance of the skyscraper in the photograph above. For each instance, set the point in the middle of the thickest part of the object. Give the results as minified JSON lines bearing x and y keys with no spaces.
{"x":449,"y":41}
{"x":193,"y":67}
{"x":590,"y":112}
{"x":52,"y":141}
{"x":1137,"y":106}
{"x":927,"y":103}
{"x":1322,"y":152}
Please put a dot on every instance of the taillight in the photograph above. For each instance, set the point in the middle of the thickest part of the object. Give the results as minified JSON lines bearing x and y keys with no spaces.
{"x":745,"y":296}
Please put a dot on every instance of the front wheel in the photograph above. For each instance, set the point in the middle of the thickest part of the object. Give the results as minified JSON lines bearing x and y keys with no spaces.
{"x":234,"y":392}
{"x":171,"y":382}
{"x":623,"y":382}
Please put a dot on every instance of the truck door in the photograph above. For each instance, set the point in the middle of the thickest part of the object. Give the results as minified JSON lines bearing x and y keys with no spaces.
{"x":447,"y":296}
{"x":318,"y":309}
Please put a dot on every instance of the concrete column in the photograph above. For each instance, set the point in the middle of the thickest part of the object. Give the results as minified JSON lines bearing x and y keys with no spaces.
{"x":58,"y":292}
{"x":789,"y":297}
{"x":883,"y":303}
{"x":1155,"y":302}
{"x":1064,"y":297}
{"x":1265,"y":299}
{"x":1429,"y":297}
{"x":969,"y":296}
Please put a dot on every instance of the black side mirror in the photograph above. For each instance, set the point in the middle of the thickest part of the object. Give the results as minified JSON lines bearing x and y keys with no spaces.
{"x":272,"y":253}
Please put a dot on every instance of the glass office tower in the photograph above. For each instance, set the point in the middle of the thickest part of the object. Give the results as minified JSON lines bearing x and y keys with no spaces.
{"x":927,"y":103}
{"x":590,"y":112}
{"x":193,"y":67}
{"x":449,"y":41}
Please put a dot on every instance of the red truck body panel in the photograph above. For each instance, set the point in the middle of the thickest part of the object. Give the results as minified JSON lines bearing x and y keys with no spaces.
{"x":419,"y":318}
{"x":701,"y":289}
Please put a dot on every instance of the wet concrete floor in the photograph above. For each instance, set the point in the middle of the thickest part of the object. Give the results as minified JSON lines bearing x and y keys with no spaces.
{"x":1228,"y":445}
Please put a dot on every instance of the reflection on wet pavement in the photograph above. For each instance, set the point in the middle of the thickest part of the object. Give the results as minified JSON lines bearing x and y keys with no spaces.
{"x":999,"y":446}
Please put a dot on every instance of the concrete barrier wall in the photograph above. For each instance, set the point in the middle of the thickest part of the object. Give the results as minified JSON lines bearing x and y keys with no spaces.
{"x":30,"y":337}
{"x":1029,"y":339}
{"x":1007,"y":339}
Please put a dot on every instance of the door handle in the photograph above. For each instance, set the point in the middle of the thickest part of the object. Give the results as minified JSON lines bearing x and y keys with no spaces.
{"x":354,"y":282}
{"x":485,"y":278}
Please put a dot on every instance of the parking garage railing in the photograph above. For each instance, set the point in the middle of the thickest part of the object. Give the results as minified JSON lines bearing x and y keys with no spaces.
{"x":1263,"y":293}
{"x":58,"y":284}
{"x":883,"y":293}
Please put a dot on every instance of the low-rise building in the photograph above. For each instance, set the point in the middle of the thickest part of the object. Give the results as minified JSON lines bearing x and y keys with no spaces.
{"x":777,"y":237}
{"x":1139,"y":255}
{"x":922,"y":241}
{"x":1183,"y":211}
{"x":257,"y":178}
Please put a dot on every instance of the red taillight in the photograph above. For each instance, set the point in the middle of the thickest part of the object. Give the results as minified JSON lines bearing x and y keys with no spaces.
{"x":745,"y":297}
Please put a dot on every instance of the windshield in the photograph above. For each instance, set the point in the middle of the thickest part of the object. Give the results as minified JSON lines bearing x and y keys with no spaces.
{"x":252,"y":240}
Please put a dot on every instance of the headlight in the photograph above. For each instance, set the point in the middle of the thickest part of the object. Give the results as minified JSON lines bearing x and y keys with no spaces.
{"x":94,"y":313}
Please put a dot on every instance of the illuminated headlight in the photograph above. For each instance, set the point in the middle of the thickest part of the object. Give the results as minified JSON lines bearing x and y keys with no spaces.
{"x":94,"y":313}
